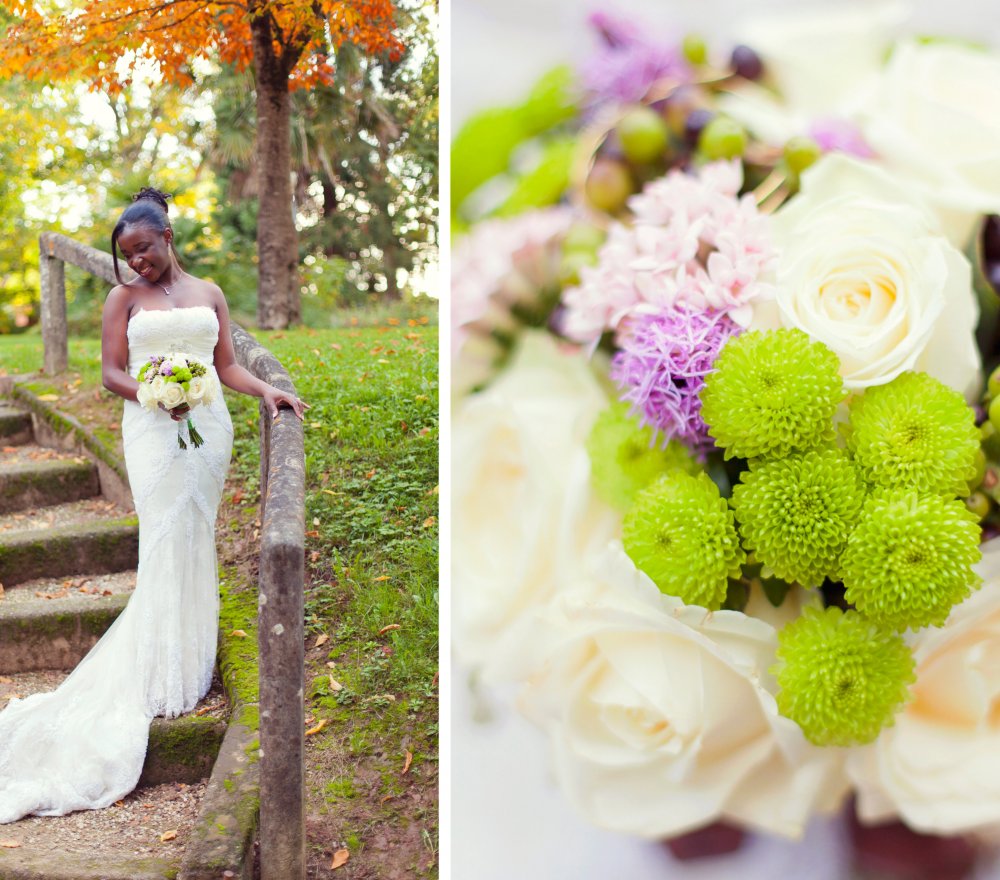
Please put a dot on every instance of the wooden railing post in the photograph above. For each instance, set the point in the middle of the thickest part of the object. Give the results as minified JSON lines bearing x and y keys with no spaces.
{"x":53,"y":274}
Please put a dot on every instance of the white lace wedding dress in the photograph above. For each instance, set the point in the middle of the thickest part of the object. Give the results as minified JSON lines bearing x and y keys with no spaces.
{"x":82,"y":746}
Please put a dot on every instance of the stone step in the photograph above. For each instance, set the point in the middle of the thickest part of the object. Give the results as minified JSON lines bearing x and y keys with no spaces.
{"x":71,"y":513}
{"x":55,"y":633}
{"x":94,"y":548}
{"x":181,"y":749}
{"x":31,"y":486}
{"x":15,"y":425}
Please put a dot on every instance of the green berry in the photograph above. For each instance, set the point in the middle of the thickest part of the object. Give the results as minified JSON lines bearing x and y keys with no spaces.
{"x":583,"y":237}
{"x":994,"y":413}
{"x":772,"y":394}
{"x":722,"y":138}
{"x":695,"y":49}
{"x":570,"y":265}
{"x":980,"y":465}
{"x":993,"y":384}
{"x":909,"y":560}
{"x":681,"y":533}
{"x":979,"y":505}
{"x":608,"y":185}
{"x":914,"y":432}
{"x":643,"y":135}
{"x":840,"y":677}
{"x":796,"y":513}
{"x":800,"y":153}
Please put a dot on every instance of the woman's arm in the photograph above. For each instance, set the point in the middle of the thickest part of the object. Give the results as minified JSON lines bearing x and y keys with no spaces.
{"x":114,"y":346}
{"x":237,"y":377}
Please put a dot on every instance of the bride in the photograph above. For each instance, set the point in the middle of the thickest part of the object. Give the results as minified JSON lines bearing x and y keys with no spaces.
{"x":82,"y":746}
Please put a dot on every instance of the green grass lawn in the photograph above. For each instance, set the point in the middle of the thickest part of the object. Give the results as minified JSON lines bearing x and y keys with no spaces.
{"x":371,"y":599}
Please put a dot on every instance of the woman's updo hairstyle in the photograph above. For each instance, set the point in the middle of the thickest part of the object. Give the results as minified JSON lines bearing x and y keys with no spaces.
{"x":148,"y":208}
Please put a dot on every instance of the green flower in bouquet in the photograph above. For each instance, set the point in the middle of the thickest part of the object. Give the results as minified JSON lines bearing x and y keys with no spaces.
{"x":915,"y":433}
{"x":840,"y":677}
{"x":796,"y":513}
{"x":624,"y":457}
{"x":772,"y":394}
{"x":681,"y":533}
{"x":910,"y":558}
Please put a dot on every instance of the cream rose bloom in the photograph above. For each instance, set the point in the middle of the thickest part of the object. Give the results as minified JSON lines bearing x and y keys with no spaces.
{"x":938,"y":766}
{"x":821,"y":61}
{"x":173,"y":395}
{"x":156,"y":386}
{"x":662,"y":717}
{"x":198,"y":390}
{"x":524,"y":517}
{"x":933,"y":119}
{"x":144,"y":394}
{"x":863,"y":269}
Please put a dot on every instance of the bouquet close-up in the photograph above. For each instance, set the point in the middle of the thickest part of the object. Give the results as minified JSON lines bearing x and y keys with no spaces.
{"x":726,"y":433}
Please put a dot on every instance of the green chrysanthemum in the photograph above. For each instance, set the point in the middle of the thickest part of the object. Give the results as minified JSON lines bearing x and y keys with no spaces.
{"x":840,"y":677}
{"x":772,"y":394}
{"x":914,"y":433}
{"x":796,"y":513}
{"x":681,"y":533}
{"x":910,"y":558}
{"x":623,"y":459}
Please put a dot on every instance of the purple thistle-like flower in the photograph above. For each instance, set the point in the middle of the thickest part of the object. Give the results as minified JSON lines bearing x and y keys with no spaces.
{"x":661,"y":366}
{"x":628,"y":62}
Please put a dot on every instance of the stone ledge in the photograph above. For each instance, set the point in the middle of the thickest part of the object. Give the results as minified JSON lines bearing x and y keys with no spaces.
{"x":96,"y":548}
{"x":43,"y":483}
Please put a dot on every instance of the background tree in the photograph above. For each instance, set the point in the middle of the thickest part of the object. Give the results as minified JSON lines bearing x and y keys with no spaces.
{"x":288,"y":43}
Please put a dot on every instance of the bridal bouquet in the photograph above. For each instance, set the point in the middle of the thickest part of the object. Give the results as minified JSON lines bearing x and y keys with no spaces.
{"x":176,"y":379}
{"x":725,"y":464}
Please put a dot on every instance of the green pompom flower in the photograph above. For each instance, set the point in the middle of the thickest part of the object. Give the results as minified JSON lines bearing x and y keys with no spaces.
{"x":910,"y":558}
{"x":914,"y":433}
{"x":681,"y":533}
{"x":624,"y":460}
{"x":840,"y":677}
{"x":772,"y":394}
{"x":796,"y":513}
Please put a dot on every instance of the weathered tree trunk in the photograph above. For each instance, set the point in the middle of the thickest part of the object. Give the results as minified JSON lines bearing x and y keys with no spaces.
{"x":277,"y":240}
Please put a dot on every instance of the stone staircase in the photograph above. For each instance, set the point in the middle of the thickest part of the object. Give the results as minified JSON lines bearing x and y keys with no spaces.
{"x":68,"y":556}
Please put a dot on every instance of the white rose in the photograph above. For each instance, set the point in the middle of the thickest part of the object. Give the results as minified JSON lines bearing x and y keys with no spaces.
{"x":197,"y":390}
{"x":661,"y":716}
{"x":523,"y":513}
{"x":144,"y":395}
{"x":863,"y":269}
{"x":938,"y":766}
{"x":821,"y":61}
{"x":173,"y":395}
{"x":933,"y":118}
{"x":156,"y":386}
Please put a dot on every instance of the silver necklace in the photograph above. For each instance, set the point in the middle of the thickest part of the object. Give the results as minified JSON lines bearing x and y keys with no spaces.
{"x":167,"y":292}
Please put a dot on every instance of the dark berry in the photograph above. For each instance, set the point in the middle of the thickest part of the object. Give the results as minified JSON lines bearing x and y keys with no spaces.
{"x":746,"y":63}
{"x":695,"y":123}
{"x":991,"y":239}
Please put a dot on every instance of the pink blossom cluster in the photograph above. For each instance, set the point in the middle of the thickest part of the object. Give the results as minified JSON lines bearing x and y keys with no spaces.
{"x":500,"y":264}
{"x":693,"y":241}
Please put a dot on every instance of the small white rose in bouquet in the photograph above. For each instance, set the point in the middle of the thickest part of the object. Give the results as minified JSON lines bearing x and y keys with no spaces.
{"x":174,"y":380}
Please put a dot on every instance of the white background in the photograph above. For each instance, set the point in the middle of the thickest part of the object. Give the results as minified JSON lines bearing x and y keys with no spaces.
{"x":507,"y":819}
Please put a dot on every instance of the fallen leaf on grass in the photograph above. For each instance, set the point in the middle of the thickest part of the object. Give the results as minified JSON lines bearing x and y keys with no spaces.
{"x":386,"y":629}
{"x":429,"y":521}
{"x":321,"y":639}
{"x":340,"y":858}
{"x":10,"y":844}
{"x":317,"y":728}
{"x":388,"y":797}
{"x":312,"y":533}
{"x":381,"y":577}
{"x":48,"y":397}
{"x":408,"y":761}
{"x":1,"y":591}
{"x":335,"y":685}
{"x":4,"y":679}
{"x":168,"y":835}
{"x":239,"y":633}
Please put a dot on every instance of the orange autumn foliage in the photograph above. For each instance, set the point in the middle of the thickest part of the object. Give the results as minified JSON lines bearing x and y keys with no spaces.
{"x":53,"y":40}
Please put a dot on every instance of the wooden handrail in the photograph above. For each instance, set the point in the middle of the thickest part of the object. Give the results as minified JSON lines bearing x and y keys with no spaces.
{"x":282,"y":566}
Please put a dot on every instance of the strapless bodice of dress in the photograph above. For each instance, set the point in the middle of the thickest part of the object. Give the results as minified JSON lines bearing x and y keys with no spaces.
{"x":193,"y":330}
